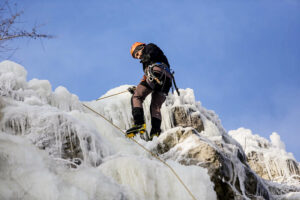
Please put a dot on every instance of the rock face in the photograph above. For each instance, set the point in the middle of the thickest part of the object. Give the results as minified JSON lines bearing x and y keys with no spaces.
{"x":187,"y":118}
{"x":272,"y":171}
{"x":269,"y":159}
{"x":233,"y":178}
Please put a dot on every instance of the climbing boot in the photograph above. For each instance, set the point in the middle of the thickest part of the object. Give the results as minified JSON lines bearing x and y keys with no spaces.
{"x":154,"y":133}
{"x":155,"y":130}
{"x":135,"y":130}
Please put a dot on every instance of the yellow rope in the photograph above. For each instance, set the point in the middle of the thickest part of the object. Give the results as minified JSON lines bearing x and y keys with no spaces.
{"x":151,"y":153}
{"x":111,"y":95}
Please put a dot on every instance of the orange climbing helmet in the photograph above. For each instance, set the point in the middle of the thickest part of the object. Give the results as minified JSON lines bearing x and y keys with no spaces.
{"x":134,"y":47}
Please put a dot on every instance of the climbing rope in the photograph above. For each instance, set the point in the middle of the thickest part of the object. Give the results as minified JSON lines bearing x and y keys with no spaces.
{"x":111,"y":95}
{"x":147,"y":150}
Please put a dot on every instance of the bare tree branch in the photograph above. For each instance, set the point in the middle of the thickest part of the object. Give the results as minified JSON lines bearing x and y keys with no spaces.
{"x":9,"y":29}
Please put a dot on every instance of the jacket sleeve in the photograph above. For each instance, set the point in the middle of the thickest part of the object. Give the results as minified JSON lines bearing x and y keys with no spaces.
{"x":151,"y":52}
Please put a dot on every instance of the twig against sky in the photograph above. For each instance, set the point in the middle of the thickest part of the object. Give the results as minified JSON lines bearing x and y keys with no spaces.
{"x":10,"y":26}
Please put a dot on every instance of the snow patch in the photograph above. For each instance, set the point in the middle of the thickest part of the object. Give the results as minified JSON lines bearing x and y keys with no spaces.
{"x":276,"y":142}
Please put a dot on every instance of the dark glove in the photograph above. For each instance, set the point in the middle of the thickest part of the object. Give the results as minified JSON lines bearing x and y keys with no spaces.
{"x":131,"y":89}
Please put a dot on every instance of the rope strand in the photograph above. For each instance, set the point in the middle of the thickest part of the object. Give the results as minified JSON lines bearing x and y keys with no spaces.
{"x":147,"y":150}
{"x":111,"y":95}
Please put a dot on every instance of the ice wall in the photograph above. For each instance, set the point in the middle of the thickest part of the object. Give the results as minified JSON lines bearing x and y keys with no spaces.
{"x":78,"y":155}
{"x":53,"y":148}
{"x":29,"y":173}
{"x":118,"y":110}
{"x":268,"y":157}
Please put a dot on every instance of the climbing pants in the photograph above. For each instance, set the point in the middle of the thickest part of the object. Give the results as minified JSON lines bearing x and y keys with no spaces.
{"x":158,"y":98}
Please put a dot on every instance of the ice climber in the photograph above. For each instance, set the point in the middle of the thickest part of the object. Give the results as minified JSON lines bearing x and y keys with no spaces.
{"x":157,"y":80}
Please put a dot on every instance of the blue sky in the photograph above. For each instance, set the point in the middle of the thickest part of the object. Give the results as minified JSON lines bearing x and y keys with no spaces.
{"x":242,"y":58}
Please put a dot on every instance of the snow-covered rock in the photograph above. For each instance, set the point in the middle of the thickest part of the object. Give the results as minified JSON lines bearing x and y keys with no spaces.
{"x":268,"y":159}
{"x":51,"y":147}
{"x":225,"y":162}
{"x":187,"y":118}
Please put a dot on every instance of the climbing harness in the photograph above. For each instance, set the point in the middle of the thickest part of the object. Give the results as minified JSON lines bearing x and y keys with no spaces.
{"x":151,"y":76}
{"x":166,"y":70}
{"x":143,"y":147}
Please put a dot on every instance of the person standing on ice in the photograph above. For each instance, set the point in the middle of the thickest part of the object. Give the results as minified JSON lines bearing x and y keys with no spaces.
{"x":157,"y":80}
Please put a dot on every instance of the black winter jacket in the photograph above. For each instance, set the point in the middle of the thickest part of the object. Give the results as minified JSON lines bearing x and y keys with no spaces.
{"x":152,"y":54}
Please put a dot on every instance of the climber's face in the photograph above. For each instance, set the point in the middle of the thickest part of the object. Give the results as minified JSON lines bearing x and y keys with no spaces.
{"x":138,"y":54}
